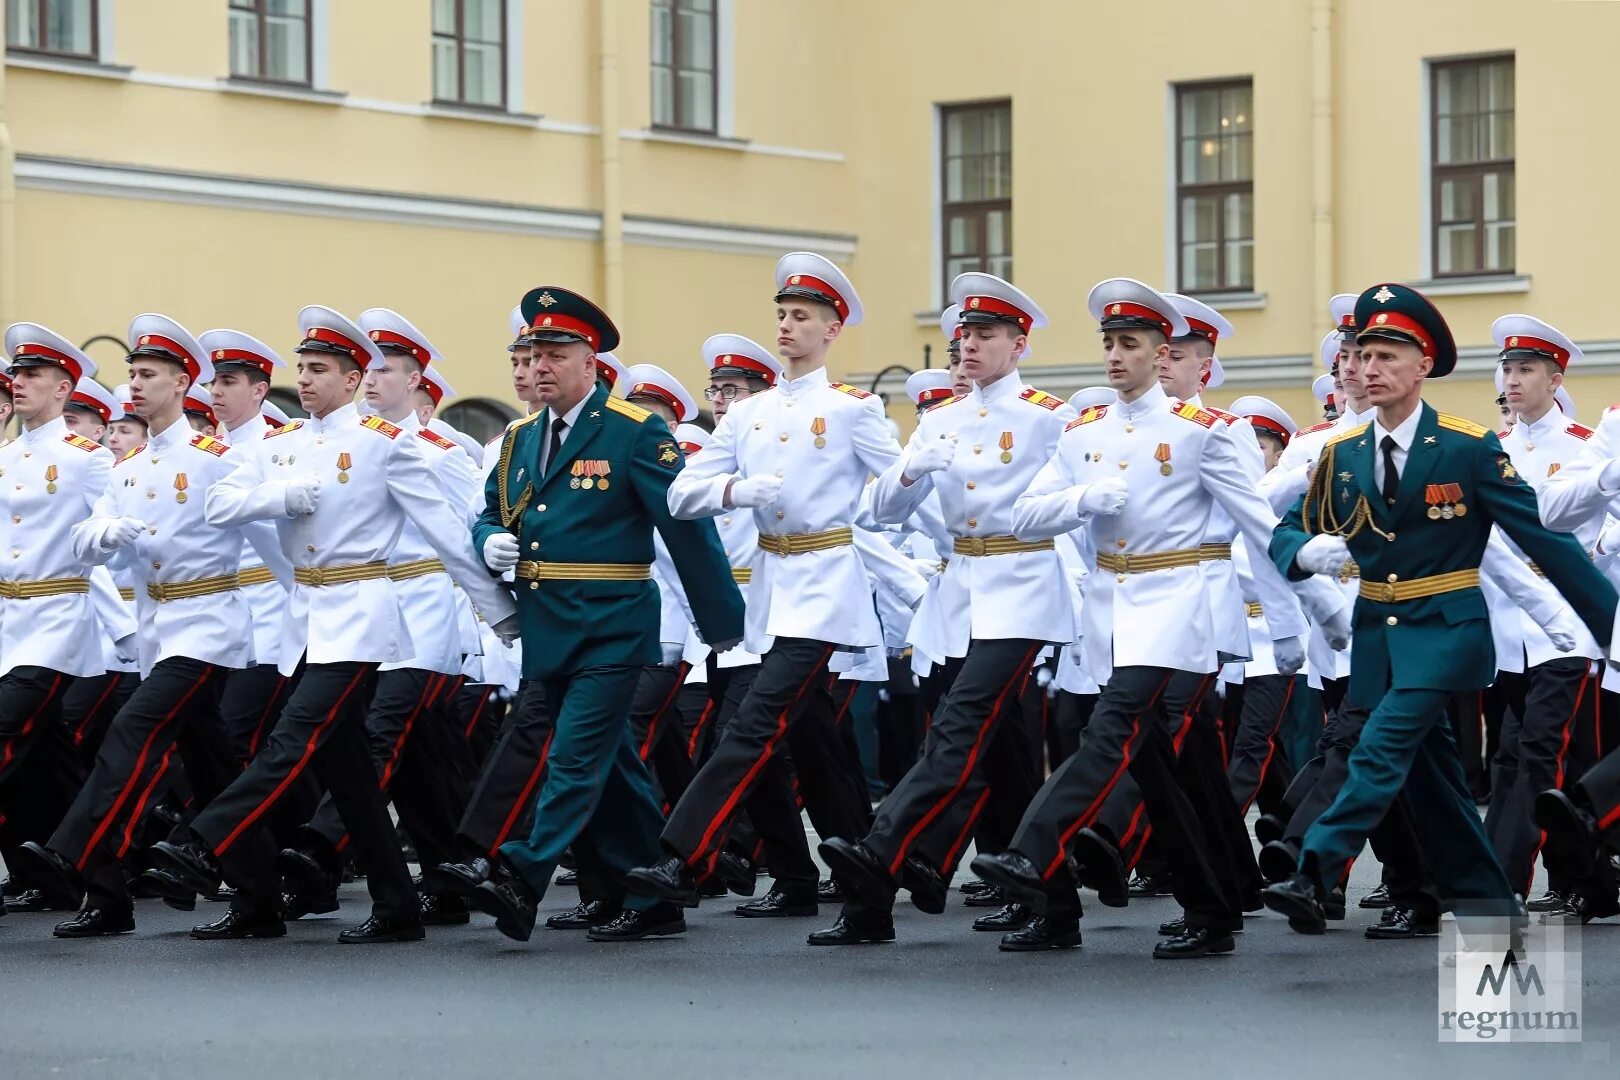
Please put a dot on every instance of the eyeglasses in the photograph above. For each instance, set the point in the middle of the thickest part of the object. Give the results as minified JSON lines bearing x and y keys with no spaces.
{"x":725,"y":393}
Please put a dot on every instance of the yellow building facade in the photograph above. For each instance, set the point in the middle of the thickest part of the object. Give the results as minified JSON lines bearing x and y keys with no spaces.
{"x":228,"y":161}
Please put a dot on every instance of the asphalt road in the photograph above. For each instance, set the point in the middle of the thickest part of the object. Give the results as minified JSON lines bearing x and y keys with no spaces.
{"x":736,"y":997}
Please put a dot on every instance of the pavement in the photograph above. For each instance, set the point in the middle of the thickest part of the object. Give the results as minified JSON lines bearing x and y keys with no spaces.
{"x":737,"y":997}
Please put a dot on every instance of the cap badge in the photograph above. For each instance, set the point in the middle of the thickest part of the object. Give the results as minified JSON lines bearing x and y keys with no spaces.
{"x":146,"y":340}
{"x":546,"y":300}
{"x":1114,"y":310}
{"x":1383,"y":295}
{"x":376,"y":335}
{"x":1513,"y":342}
{"x":794,"y":280}
{"x":725,"y":361}
{"x":219,"y":354}
{"x":974,"y":303}
{"x":546,"y":321}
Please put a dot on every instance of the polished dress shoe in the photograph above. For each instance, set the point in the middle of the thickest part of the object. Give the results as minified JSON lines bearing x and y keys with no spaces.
{"x":1150,"y":885}
{"x":1298,"y":899}
{"x":1007,"y":917}
{"x":1178,"y":926}
{"x":986,"y":898}
{"x":441,"y":910}
{"x":161,"y":884}
{"x":778,"y":904}
{"x":25,"y":902}
{"x":312,"y":887}
{"x":1042,"y":933}
{"x":927,"y":888}
{"x":828,"y":891}
{"x":1333,"y":905}
{"x":457,"y":877}
{"x":235,"y":925}
{"x":194,"y":865}
{"x":1571,"y":846}
{"x":1578,"y":905}
{"x":973,"y":885}
{"x":568,"y":878}
{"x":667,"y":879}
{"x":1378,"y":898}
{"x":1101,"y":868}
{"x":1401,"y":923}
{"x":737,"y":873}
{"x":861,"y":872}
{"x":1269,"y":827}
{"x":1018,"y":878}
{"x":96,"y":922}
{"x":383,"y":928}
{"x":584,"y":915}
{"x":57,"y":879}
{"x":1278,"y":860}
{"x":510,"y":899}
{"x":660,"y":920}
{"x":1193,"y":942}
{"x":1551,"y":900}
{"x":295,"y":906}
{"x":856,"y":930}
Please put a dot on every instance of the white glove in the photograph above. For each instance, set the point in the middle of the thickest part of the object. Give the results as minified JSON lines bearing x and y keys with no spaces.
{"x":501,"y":552}
{"x":1337,"y":629}
{"x":928,"y":568}
{"x":1562,"y":630}
{"x":1323,"y":554}
{"x":507,"y":629}
{"x":121,"y":533}
{"x":930,"y":457}
{"x":1609,"y":478}
{"x":756,"y":491}
{"x":1289,"y":653}
{"x":303,"y":494}
{"x":1609,"y":540}
{"x":669,"y":652}
{"x":1106,"y":497}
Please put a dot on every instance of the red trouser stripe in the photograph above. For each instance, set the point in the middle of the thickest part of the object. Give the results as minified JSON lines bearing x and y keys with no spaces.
{"x":298,"y":766}
{"x":1558,"y":780}
{"x":139,"y":767}
{"x":478,"y":712}
{"x":729,"y":807}
{"x":697,"y":728}
{"x":843,"y":709}
{"x":28,"y":725}
{"x":1188,"y":717}
{"x":1019,"y":674}
{"x":264,"y":717}
{"x":422,"y":702}
{"x":1609,"y":819}
{"x":523,"y":796}
{"x":663,"y":707}
{"x":90,"y":713}
{"x":955,"y":853}
{"x":1271,"y":749}
{"x":140,"y":803}
{"x":1090,"y":812}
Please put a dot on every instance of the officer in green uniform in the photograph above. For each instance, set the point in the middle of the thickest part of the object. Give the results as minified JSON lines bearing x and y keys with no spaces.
{"x":571,"y":507}
{"x":1412,"y":495}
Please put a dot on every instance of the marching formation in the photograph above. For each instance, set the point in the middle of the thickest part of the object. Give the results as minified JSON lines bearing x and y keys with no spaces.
{"x":243,"y":659}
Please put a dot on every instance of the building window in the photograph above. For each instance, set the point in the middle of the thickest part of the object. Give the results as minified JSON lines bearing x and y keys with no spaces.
{"x":684,"y":45}
{"x":270,"y":40}
{"x":53,"y":27}
{"x":1473,"y":138}
{"x":481,"y":418}
{"x":1215,"y":187}
{"x":469,"y":52}
{"x":976,"y":189}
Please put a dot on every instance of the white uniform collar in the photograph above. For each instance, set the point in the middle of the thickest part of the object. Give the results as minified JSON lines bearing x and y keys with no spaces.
{"x":242,"y":432}
{"x":336,"y":418}
{"x":56,"y":429}
{"x":1350,"y":418}
{"x":1152,"y":398}
{"x":158,"y":442}
{"x":1009,"y":385}
{"x":1552,"y":420}
{"x":803,"y":383}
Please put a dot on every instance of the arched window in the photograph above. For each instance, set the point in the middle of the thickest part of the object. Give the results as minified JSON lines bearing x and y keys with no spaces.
{"x":481,"y":418}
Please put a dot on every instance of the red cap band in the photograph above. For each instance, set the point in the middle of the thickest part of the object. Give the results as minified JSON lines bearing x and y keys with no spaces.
{"x":938,"y":393}
{"x":432,"y":390}
{"x":563,"y":322}
{"x":327,"y":336}
{"x":1558,"y":354}
{"x":400,"y":341}
{"x":1124,"y":309}
{"x":88,"y":402}
{"x":653,"y":390}
{"x":805,"y":281}
{"x":181,"y":353}
{"x":995,"y":306}
{"x":192,"y":405}
{"x":689,"y":448}
{"x":1265,"y":423}
{"x":30,"y":348}
{"x":747,"y":363}
{"x":1408,"y":328}
{"x":1203,"y":329}
{"x":242,"y":356}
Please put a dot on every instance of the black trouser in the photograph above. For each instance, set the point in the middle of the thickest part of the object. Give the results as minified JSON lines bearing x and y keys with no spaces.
{"x":322,"y":727}
{"x":501,"y":805}
{"x":421,"y":764}
{"x":40,"y":772}
{"x":1599,"y":790}
{"x":478,"y":710}
{"x":1467,"y":715}
{"x":899,"y":723}
{"x":1071,"y":713}
{"x":1014,"y":767}
{"x":655,"y":723}
{"x":1548,"y":741}
{"x":728,"y":689}
{"x":253,"y":699}
{"x":1256,"y":767}
{"x":1129,"y":732}
{"x":89,"y":706}
{"x":175,"y":710}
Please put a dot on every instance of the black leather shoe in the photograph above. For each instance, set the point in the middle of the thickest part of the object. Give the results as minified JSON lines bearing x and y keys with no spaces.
{"x":295,"y":906}
{"x":1378,"y":898}
{"x":1007,"y":917}
{"x":96,"y":922}
{"x":1041,"y":934}
{"x":1278,"y":861}
{"x":1269,"y":827}
{"x":33,"y":900}
{"x":584,"y":915}
{"x":440,"y":910}
{"x":973,"y":885}
{"x":861,"y":873}
{"x":194,"y":866}
{"x":1178,"y":926}
{"x":1018,"y":878}
{"x":1194,"y":941}
{"x":1333,"y":905}
{"x":1101,"y":868}
{"x":860,"y":930}
{"x":509,"y":899}
{"x":1571,"y":847}
{"x":828,"y":891}
{"x":310,"y":888}
{"x":458,"y":877}
{"x":1399,"y":923}
{"x":778,"y":904}
{"x":927,"y":888}
{"x":985,"y":898}
{"x":1551,"y":900}
{"x":568,"y":878}
{"x":1586,"y":908}
{"x":667,"y":879}
{"x":1298,"y":900}
{"x":378,"y":929}
{"x":1150,"y":885}
{"x":737,"y":873}
{"x":56,"y":879}
{"x":163,"y":885}
{"x":235,"y":925}
{"x":661,"y":920}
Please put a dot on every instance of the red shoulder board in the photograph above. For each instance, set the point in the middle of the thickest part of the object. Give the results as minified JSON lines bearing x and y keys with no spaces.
{"x":132,"y":453}
{"x":1323,"y":426}
{"x":941,"y":404}
{"x":210,"y":444}
{"x":377,"y":423}
{"x":852,"y":391}
{"x":1188,"y":411}
{"x":81,"y":442}
{"x":1222,"y":414}
{"x":1580,"y":431}
{"x":294,"y":426}
{"x":1042,"y":398}
{"x":436,"y":439}
{"x":1095,"y":412}
{"x":1504,"y":434}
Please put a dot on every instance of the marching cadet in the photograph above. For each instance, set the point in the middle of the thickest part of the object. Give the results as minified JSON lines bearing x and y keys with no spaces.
{"x":194,"y":630}
{"x":996,"y":607}
{"x":128,"y":429}
{"x":1416,"y":491}
{"x":199,"y":411}
{"x":340,"y":489}
{"x":572,"y":507}
{"x":1143,"y":476}
{"x":49,"y":629}
{"x":824,"y":439}
{"x":90,"y":409}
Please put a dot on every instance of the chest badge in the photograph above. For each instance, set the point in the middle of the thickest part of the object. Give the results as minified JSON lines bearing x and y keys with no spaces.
{"x":344,"y":463}
{"x":180,"y":486}
{"x":1554,"y":467}
{"x":1006,"y":444}
{"x":1162,"y":456}
{"x":818,"y":428}
{"x":50,"y":479}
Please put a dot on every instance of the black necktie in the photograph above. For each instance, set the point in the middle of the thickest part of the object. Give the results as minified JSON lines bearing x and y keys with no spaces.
{"x":558,"y":425}
{"x":1392,"y":479}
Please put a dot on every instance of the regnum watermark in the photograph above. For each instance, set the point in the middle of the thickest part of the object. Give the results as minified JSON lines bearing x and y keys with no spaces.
{"x":1500,"y":983}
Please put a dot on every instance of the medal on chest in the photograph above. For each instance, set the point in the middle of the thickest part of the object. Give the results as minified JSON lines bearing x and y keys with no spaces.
{"x":344,"y":463}
{"x":50,"y":479}
{"x":1162,"y":456}
{"x":818,"y":428}
{"x":180,"y":486}
{"x":1006,"y":445}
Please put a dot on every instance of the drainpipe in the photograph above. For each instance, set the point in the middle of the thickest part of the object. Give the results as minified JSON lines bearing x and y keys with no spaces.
{"x":612,"y":194}
{"x":1322,"y":169}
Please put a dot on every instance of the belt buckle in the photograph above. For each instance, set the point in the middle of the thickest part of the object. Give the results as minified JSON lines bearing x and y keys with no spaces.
{"x":976,"y":545}
{"x":1386,"y":592}
{"x":10,"y":590}
{"x":316,"y":576}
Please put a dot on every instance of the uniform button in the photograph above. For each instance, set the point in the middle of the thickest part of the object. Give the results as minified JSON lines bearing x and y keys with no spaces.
{"x":725,"y":521}
{"x":534,"y":545}
{"x":157,"y":566}
{"x":540,"y":509}
{"x":973,"y":523}
{"x":978,"y":449}
{"x":1119,"y":543}
{"x":318,"y":440}
{"x":779,"y":471}
{"x":16,"y":519}
{"x":984,"y":412}
{"x":782,"y":437}
{"x":1394,"y":577}
{"x":780,"y":514}
{"x":1120,"y":578}
{"x":152,"y":529}
{"x":533,"y":585}
{"x":154,"y":461}
{"x":28,"y":453}
{"x":1390,"y":538}
{"x":971,"y":485}
{"x":151,"y":494}
{"x":1392,"y":620}
{"x":1124,"y":464}
{"x":1129,"y":429}
{"x":309,"y":547}
{"x":16,"y":554}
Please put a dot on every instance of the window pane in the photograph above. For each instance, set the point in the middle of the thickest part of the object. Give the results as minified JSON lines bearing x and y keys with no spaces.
{"x":997,"y":235}
{"x":1201,"y":161}
{"x":295,"y":8}
{"x":244,"y":43}
{"x":1200,"y":111}
{"x":695,"y":33}
{"x":67,"y":26}
{"x":998,"y":177}
{"x":1499,"y":242}
{"x":697,"y":100}
{"x":1237,"y":158}
{"x":953,"y":179}
{"x":1500,"y":136}
{"x":953,"y":133}
{"x":1457,"y":249}
{"x":954,"y":267}
{"x":1498,"y":196}
{"x":483,"y":20}
{"x":663,"y":96}
{"x":1498,"y":85}
{"x":1240,"y":216}
{"x":1458,"y":201}
{"x":22,"y":24}
{"x":663,"y":42}
{"x":444,"y":16}
{"x":961,"y":236}
{"x":698,"y":5}
{"x":1001,"y":266}
{"x":1239,"y":265}
{"x":1200,"y":218}
{"x":285,"y":52}
{"x":444,"y":69}
{"x":483,"y":73}
{"x":1198,"y":267}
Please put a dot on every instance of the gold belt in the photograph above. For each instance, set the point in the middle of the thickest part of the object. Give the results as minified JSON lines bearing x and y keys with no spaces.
{"x":416,"y":568}
{"x":532,"y":570}
{"x":254,"y":575}
{"x":126,"y":593}
{"x":1214,"y":552}
{"x":997,"y":545}
{"x":164,"y":591}
{"x":1158,"y":560}
{"x":29,"y":590}
{"x":1253,"y":610}
{"x":742,"y":575}
{"x":340,"y":575}
{"x":1394,"y":592}
{"x":799,"y":543}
